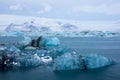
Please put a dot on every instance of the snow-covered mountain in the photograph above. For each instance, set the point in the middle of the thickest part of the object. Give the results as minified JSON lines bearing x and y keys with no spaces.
{"x":16,"y":23}
{"x":25,"y":27}
{"x":23,"y":23}
{"x":69,"y":27}
{"x":12,"y":23}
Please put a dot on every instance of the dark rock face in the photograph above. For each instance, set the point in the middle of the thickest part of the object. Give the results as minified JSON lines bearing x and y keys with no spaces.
{"x":36,"y":42}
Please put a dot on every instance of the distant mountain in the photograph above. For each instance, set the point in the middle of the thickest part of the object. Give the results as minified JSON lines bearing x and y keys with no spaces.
{"x":69,"y":27}
{"x":25,"y":27}
{"x":45,"y":29}
{"x":31,"y":24}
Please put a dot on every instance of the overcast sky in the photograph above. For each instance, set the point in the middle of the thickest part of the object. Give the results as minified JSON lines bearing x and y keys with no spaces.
{"x":64,"y":9}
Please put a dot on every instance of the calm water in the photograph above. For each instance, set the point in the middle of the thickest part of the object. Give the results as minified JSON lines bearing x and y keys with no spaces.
{"x":109,"y":47}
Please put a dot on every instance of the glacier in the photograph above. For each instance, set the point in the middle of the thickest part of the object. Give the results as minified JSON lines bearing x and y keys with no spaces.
{"x":49,"y":52}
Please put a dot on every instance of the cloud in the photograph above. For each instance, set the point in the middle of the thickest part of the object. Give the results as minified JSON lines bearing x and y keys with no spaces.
{"x":15,"y":7}
{"x":109,"y":9}
{"x":46,"y":8}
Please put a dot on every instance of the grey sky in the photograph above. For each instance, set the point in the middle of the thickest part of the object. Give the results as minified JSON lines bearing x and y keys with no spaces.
{"x":64,"y":9}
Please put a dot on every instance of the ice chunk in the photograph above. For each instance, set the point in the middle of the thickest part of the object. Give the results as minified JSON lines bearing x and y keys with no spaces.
{"x":51,"y":42}
{"x":60,"y":57}
{"x":70,"y":61}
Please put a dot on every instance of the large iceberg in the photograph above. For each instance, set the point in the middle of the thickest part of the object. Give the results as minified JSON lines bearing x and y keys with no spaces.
{"x":71,"y":61}
{"x":59,"y":57}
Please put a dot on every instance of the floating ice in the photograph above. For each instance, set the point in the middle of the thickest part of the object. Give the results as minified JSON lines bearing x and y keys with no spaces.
{"x":60,"y":57}
{"x":70,"y":61}
{"x":51,"y":42}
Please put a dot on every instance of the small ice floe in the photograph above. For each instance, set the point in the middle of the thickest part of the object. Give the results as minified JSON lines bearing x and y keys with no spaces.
{"x":46,"y":59}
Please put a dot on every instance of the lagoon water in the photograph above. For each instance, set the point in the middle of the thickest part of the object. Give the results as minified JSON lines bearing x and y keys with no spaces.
{"x":109,"y":47}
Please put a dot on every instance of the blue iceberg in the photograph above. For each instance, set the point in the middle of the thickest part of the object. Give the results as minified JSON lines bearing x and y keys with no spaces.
{"x":52,"y":42}
{"x":40,"y":42}
{"x":71,"y":61}
{"x":58,"y":56}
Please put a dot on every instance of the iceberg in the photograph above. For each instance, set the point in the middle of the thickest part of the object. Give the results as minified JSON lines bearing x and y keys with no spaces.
{"x":52,"y":42}
{"x":40,"y":42}
{"x":12,"y":57}
{"x":59,"y":57}
{"x":70,"y":61}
